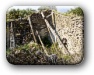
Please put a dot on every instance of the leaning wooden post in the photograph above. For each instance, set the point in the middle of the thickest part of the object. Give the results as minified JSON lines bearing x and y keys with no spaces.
{"x":8,"y":35}
{"x":42,"y":43}
{"x":48,"y":27}
{"x":50,"y":35}
{"x":29,"y":19}
{"x":64,"y":50}
{"x":12,"y":39}
{"x":53,"y":21}
{"x":50,"y":31}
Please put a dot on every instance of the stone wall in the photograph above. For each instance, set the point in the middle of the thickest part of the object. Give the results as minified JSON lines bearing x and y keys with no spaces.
{"x":71,"y":28}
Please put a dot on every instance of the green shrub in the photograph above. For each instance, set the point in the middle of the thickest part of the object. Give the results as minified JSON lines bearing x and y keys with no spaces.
{"x":23,"y":47}
{"x":77,"y":11}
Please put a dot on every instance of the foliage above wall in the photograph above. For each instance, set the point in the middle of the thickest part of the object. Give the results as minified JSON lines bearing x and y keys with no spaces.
{"x":78,"y":11}
{"x":17,"y":13}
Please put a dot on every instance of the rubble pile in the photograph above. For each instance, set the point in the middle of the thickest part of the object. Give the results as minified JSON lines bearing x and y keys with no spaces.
{"x":32,"y":57}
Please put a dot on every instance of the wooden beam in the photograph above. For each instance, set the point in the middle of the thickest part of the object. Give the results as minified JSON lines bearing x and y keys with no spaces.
{"x":32,"y":28}
{"x":64,"y":50}
{"x":42,"y":43}
{"x":48,"y":28}
{"x":12,"y":39}
{"x":49,"y":15}
{"x":53,"y":22}
{"x":50,"y":34}
{"x":8,"y":35}
{"x":9,"y":20}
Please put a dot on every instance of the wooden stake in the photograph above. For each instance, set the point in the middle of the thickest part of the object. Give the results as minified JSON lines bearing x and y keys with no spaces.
{"x":50,"y":35}
{"x":64,"y":50}
{"x":12,"y":39}
{"x":42,"y":43}
{"x":32,"y":28}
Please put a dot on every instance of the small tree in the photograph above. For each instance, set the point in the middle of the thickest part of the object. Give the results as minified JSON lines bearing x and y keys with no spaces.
{"x":78,"y":11}
{"x":16,"y":13}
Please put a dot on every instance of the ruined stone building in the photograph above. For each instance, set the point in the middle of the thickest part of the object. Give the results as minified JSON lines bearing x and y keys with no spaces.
{"x":66,"y":30}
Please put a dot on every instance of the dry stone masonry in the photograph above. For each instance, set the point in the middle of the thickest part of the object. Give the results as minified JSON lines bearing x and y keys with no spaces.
{"x":66,"y":30}
{"x":71,"y":28}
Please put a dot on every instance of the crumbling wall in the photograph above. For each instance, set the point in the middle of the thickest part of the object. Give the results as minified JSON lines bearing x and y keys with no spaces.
{"x":71,"y":28}
{"x":68,"y":27}
{"x":18,"y":33}
{"x":39,"y":24}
